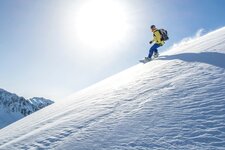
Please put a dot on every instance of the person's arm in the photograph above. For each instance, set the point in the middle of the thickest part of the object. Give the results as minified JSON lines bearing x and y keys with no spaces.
{"x":154,"y":39}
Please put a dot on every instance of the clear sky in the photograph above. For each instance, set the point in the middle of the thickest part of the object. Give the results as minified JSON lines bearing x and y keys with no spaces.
{"x":53,"y":48}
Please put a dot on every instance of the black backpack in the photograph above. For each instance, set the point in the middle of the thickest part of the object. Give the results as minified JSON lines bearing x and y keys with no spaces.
{"x":164,"y":34}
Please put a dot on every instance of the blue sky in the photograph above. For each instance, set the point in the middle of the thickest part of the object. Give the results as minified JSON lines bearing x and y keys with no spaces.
{"x":41,"y":54}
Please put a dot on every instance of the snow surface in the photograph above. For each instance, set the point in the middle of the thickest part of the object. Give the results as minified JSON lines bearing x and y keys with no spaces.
{"x":175,"y":102}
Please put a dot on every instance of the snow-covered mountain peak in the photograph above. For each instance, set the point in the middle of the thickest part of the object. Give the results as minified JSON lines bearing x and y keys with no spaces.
{"x":13,"y":107}
{"x":174,"y":102}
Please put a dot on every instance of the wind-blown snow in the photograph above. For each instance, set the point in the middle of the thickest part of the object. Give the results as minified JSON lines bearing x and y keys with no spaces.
{"x":175,"y":102}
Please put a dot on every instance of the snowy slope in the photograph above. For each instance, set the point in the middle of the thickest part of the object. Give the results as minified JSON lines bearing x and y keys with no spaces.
{"x":13,"y":107}
{"x":175,"y":102}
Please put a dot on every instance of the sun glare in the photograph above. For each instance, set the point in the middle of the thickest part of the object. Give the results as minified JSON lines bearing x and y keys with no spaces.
{"x":101,"y":23}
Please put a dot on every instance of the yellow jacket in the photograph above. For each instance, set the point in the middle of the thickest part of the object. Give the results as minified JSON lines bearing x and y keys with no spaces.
{"x":157,"y":38}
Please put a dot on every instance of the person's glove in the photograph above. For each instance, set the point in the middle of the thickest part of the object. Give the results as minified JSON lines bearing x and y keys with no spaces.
{"x":150,"y":42}
{"x":160,"y":44}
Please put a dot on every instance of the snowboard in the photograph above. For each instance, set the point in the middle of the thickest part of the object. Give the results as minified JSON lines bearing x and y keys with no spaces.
{"x":148,"y":60}
{"x":144,"y":61}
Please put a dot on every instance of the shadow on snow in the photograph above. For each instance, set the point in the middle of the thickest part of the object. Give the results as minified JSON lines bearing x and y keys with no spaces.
{"x":212,"y":58}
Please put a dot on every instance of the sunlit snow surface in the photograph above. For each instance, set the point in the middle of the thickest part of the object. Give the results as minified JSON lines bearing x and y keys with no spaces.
{"x":174,"y":102}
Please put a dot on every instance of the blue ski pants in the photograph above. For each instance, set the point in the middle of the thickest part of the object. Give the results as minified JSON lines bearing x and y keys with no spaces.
{"x":153,"y":49}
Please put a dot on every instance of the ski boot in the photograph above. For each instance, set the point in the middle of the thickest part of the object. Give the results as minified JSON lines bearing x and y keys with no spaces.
{"x":156,"y":55}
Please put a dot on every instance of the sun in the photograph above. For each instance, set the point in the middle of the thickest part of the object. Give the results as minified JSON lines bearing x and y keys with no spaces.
{"x":101,"y":23}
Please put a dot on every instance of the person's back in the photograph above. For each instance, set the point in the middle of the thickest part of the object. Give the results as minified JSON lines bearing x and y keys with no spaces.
{"x":157,"y":37}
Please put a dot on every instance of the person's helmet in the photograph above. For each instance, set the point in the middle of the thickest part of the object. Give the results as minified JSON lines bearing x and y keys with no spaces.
{"x":152,"y":26}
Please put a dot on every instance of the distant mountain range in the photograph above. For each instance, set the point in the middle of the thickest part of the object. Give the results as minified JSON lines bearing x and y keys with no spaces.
{"x":14,"y":107}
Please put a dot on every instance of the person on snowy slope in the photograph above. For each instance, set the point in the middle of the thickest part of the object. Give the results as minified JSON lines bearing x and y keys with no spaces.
{"x":158,"y":42}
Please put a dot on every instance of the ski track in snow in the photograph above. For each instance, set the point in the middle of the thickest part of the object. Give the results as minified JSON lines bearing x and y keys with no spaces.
{"x":175,"y":102}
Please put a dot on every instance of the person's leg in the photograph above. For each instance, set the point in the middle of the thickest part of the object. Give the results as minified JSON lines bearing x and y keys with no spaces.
{"x":153,"y":49}
{"x":156,"y":54}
